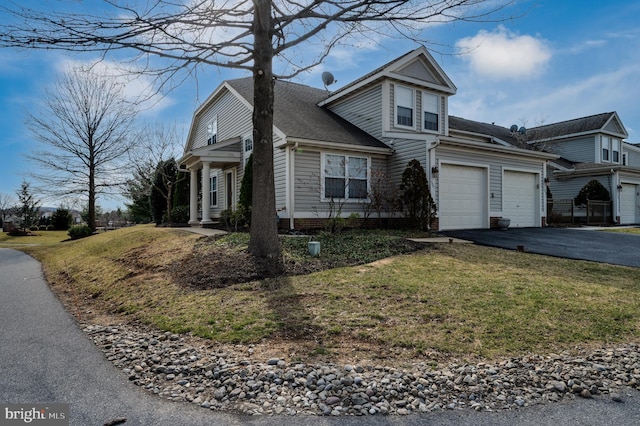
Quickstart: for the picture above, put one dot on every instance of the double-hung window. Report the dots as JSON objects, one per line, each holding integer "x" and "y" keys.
{"x": 248, "y": 148}
{"x": 345, "y": 177}
{"x": 213, "y": 191}
{"x": 615, "y": 150}
{"x": 606, "y": 142}
{"x": 212, "y": 131}
{"x": 404, "y": 106}
{"x": 430, "y": 108}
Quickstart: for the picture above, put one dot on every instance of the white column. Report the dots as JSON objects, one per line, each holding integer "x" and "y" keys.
{"x": 193, "y": 197}
{"x": 206, "y": 194}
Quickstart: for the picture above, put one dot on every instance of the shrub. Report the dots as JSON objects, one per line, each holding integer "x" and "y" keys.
{"x": 61, "y": 219}
{"x": 415, "y": 196}
{"x": 34, "y": 228}
{"x": 50, "y": 228}
{"x": 246, "y": 191}
{"x": 79, "y": 231}
{"x": 232, "y": 219}
{"x": 593, "y": 190}
{"x": 180, "y": 214}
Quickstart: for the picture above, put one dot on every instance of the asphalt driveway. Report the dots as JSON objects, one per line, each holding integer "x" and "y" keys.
{"x": 584, "y": 244}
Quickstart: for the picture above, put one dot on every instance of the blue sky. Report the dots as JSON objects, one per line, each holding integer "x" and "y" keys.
{"x": 560, "y": 60}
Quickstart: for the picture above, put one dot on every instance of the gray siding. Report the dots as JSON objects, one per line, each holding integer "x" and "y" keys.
{"x": 569, "y": 188}
{"x": 308, "y": 175}
{"x": 582, "y": 150}
{"x": 234, "y": 119}
{"x": 633, "y": 157}
{"x": 280, "y": 176}
{"x": 496, "y": 163}
{"x": 405, "y": 151}
{"x": 363, "y": 110}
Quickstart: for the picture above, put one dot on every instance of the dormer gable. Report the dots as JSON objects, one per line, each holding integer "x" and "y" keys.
{"x": 615, "y": 127}
{"x": 417, "y": 68}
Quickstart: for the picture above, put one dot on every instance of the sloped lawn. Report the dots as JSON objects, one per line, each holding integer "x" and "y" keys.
{"x": 369, "y": 295}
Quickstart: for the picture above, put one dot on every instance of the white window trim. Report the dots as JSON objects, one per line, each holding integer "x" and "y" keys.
{"x": 602, "y": 148}
{"x": 213, "y": 201}
{"x": 210, "y": 125}
{"x": 246, "y": 153}
{"x": 615, "y": 147}
{"x": 437, "y": 112}
{"x": 395, "y": 108}
{"x": 347, "y": 199}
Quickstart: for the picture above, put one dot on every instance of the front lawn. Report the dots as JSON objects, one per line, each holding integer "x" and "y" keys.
{"x": 442, "y": 300}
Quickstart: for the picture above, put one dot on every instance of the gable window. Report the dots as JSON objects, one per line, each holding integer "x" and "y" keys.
{"x": 430, "y": 109}
{"x": 605, "y": 148}
{"x": 345, "y": 177}
{"x": 248, "y": 148}
{"x": 615, "y": 150}
{"x": 213, "y": 188}
{"x": 212, "y": 131}
{"x": 404, "y": 106}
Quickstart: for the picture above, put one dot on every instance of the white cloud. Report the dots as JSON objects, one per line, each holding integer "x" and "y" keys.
{"x": 548, "y": 102}
{"x": 502, "y": 54}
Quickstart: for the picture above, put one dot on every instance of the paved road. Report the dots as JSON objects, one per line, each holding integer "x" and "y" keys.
{"x": 599, "y": 246}
{"x": 45, "y": 358}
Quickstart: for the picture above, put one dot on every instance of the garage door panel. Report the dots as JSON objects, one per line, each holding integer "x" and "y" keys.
{"x": 629, "y": 204}
{"x": 462, "y": 199}
{"x": 520, "y": 199}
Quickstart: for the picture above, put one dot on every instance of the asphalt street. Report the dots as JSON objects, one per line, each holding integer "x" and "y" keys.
{"x": 46, "y": 358}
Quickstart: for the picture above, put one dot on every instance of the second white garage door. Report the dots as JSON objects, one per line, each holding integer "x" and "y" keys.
{"x": 629, "y": 204}
{"x": 462, "y": 197}
{"x": 519, "y": 201}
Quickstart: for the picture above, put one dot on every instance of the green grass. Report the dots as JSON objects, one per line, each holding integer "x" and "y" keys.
{"x": 462, "y": 300}
{"x": 41, "y": 238}
{"x": 624, "y": 230}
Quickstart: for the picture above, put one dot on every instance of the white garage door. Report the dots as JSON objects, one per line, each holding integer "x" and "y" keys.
{"x": 519, "y": 202}
{"x": 629, "y": 204}
{"x": 462, "y": 197}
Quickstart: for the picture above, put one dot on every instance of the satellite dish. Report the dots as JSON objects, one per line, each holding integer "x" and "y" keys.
{"x": 522, "y": 130}
{"x": 327, "y": 79}
{"x": 513, "y": 128}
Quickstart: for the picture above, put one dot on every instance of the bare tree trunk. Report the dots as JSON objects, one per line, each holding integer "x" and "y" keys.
{"x": 91, "y": 202}
{"x": 264, "y": 242}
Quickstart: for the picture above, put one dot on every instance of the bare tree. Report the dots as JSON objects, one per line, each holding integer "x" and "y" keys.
{"x": 241, "y": 34}
{"x": 6, "y": 203}
{"x": 154, "y": 165}
{"x": 85, "y": 132}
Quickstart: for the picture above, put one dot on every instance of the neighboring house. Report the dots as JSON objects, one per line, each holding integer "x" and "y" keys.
{"x": 593, "y": 148}
{"x": 332, "y": 149}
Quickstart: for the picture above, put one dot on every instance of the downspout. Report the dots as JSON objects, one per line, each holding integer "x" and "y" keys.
{"x": 292, "y": 188}
{"x": 431, "y": 163}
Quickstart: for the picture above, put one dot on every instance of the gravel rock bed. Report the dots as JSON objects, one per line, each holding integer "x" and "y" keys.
{"x": 230, "y": 378}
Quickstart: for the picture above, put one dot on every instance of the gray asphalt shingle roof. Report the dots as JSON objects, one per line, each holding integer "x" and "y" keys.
{"x": 499, "y": 132}
{"x": 297, "y": 114}
{"x": 570, "y": 127}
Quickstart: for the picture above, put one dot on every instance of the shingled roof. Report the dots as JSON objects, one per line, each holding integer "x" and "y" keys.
{"x": 588, "y": 124}
{"x": 476, "y": 127}
{"x": 297, "y": 115}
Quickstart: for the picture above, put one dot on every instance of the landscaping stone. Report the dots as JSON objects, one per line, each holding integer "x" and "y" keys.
{"x": 183, "y": 368}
